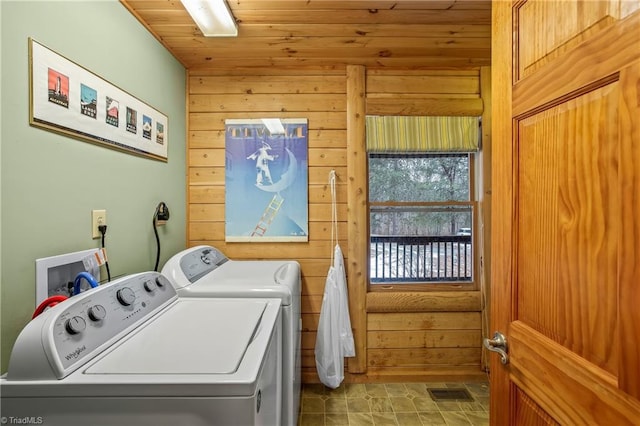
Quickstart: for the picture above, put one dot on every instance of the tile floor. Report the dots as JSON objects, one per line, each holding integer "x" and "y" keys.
{"x": 398, "y": 404}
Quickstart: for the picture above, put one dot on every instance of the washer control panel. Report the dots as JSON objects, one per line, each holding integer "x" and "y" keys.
{"x": 75, "y": 331}
{"x": 199, "y": 263}
{"x": 105, "y": 312}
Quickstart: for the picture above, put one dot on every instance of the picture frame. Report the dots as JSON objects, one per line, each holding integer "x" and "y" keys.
{"x": 68, "y": 99}
{"x": 266, "y": 180}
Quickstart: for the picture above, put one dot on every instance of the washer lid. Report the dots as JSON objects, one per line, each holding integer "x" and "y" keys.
{"x": 194, "y": 336}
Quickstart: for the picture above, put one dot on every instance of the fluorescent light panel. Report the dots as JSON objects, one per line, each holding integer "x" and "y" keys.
{"x": 274, "y": 126}
{"x": 213, "y": 17}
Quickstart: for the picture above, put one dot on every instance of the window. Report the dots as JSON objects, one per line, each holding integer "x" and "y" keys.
{"x": 421, "y": 218}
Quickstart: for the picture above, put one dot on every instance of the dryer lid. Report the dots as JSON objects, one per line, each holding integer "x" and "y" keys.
{"x": 247, "y": 278}
{"x": 195, "y": 336}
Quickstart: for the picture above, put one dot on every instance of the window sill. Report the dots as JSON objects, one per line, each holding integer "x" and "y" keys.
{"x": 423, "y": 287}
{"x": 434, "y": 301}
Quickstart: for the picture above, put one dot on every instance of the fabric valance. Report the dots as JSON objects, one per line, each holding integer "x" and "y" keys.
{"x": 422, "y": 134}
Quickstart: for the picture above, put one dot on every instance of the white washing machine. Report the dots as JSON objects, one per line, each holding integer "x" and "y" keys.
{"x": 204, "y": 271}
{"x": 131, "y": 352}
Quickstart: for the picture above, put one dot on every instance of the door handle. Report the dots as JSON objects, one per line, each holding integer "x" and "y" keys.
{"x": 498, "y": 344}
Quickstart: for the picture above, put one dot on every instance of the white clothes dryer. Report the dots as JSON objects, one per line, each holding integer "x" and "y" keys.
{"x": 131, "y": 352}
{"x": 204, "y": 271}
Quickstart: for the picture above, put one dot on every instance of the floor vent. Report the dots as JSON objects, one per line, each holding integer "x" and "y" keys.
{"x": 450, "y": 394}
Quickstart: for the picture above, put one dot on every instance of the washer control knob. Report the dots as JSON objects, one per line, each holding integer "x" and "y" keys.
{"x": 162, "y": 281}
{"x": 75, "y": 325}
{"x": 150, "y": 286}
{"x": 126, "y": 296}
{"x": 97, "y": 312}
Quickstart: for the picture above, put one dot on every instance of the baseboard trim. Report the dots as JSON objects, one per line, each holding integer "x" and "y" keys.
{"x": 397, "y": 375}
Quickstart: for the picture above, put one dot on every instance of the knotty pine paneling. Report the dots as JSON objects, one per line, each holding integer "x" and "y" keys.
{"x": 431, "y": 301}
{"x": 266, "y": 84}
{"x": 327, "y": 34}
{"x": 423, "y": 340}
{"x": 423, "y": 357}
{"x": 251, "y": 102}
{"x": 424, "y": 321}
{"x": 441, "y": 344}
{"x": 215, "y": 120}
{"x": 463, "y": 84}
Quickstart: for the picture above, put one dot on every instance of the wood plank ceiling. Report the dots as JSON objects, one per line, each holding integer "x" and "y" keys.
{"x": 328, "y": 33}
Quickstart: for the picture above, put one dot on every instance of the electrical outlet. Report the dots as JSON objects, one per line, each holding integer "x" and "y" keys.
{"x": 98, "y": 217}
{"x": 162, "y": 214}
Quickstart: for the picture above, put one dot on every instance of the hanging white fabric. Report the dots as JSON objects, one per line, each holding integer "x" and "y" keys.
{"x": 335, "y": 338}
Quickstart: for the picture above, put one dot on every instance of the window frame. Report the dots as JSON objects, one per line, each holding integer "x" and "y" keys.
{"x": 430, "y": 286}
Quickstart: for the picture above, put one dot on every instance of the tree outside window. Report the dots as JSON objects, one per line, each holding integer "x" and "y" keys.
{"x": 421, "y": 216}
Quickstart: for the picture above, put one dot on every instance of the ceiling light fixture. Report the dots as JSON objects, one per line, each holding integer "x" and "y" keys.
{"x": 213, "y": 17}
{"x": 274, "y": 126}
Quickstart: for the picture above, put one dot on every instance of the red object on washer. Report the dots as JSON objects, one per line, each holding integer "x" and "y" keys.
{"x": 48, "y": 303}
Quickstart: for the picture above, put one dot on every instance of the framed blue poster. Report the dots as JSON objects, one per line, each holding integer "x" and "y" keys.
{"x": 266, "y": 180}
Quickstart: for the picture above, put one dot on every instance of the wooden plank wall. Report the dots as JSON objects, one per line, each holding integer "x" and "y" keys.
{"x": 398, "y": 342}
{"x": 318, "y": 96}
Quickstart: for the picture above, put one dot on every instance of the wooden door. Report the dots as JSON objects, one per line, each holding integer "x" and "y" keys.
{"x": 566, "y": 228}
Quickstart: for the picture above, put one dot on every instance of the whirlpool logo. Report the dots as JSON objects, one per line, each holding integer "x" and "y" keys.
{"x": 75, "y": 354}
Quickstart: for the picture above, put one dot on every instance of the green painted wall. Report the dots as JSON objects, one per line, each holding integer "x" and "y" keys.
{"x": 50, "y": 183}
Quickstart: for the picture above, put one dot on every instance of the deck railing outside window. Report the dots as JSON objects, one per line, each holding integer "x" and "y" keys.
{"x": 401, "y": 259}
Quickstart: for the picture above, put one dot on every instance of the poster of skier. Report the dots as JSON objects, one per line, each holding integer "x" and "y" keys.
{"x": 266, "y": 177}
